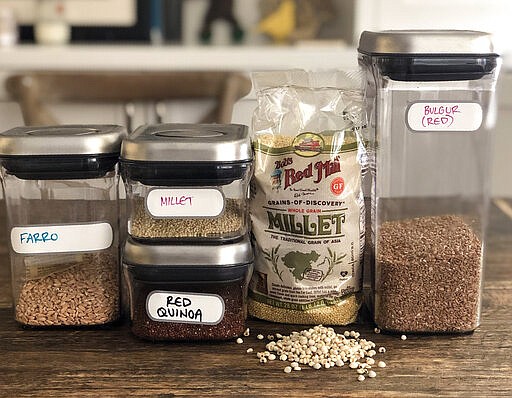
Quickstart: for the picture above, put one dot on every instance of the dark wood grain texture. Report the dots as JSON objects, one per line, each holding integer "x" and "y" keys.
{"x": 112, "y": 363}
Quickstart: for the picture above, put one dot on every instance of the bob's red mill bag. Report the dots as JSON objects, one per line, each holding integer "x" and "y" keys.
{"x": 307, "y": 206}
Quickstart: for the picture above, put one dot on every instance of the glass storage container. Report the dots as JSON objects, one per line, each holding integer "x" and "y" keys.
{"x": 430, "y": 98}
{"x": 187, "y": 182}
{"x": 188, "y": 292}
{"x": 60, "y": 187}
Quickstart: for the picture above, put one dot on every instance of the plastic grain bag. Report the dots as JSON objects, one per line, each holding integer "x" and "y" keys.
{"x": 307, "y": 206}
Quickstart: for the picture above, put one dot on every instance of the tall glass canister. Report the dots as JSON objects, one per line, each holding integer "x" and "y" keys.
{"x": 431, "y": 106}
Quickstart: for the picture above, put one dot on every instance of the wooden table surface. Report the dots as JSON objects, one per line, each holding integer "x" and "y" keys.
{"x": 112, "y": 362}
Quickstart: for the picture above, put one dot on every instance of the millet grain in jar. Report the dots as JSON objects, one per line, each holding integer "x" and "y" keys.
{"x": 187, "y": 182}
{"x": 230, "y": 222}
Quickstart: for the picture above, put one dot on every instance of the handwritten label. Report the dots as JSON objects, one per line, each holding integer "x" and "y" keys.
{"x": 185, "y": 202}
{"x": 179, "y": 307}
{"x": 62, "y": 238}
{"x": 444, "y": 116}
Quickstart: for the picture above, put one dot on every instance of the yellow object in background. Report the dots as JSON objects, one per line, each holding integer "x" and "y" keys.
{"x": 281, "y": 23}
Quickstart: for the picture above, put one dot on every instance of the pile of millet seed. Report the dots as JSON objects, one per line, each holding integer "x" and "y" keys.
{"x": 321, "y": 347}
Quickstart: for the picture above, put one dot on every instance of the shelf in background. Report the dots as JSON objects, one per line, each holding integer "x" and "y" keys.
{"x": 147, "y": 57}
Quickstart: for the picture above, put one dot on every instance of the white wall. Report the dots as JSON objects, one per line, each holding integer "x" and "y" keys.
{"x": 502, "y": 157}
{"x": 493, "y": 16}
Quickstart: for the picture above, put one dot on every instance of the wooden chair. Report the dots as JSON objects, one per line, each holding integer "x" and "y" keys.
{"x": 35, "y": 90}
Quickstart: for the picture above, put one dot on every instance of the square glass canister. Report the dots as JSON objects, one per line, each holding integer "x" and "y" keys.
{"x": 188, "y": 291}
{"x": 61, "y": 190}
{"x": 430, "y": 97}
{"x": 187, "y": 182}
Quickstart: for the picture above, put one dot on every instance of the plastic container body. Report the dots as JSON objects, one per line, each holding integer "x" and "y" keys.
{"x": 79, "y": 283}
{"x": 430, "y": 123}
{"x": 187, "y": 182}
{"x": 63, "y": 219}
{"x": 187, "y": 292}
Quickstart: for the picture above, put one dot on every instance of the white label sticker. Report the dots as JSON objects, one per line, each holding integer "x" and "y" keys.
{"x": 61, "y": 238}
{"x": 444, "y": 116}
{"x": 185, "y": 202}
{"x": 178, "y": 307}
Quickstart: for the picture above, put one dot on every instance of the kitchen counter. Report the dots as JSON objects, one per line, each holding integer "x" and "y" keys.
{"x": 110, "y": 362}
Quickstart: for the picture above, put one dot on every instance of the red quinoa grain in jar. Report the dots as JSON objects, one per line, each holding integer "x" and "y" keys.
{"x": 189, "y": 291}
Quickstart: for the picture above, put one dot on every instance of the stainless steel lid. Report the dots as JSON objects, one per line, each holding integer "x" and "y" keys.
{"x": 187, "y": 143}
{"x": 228, "y": 254}
{"x": 75, "y": 139}
{"x": 426, "y": 42}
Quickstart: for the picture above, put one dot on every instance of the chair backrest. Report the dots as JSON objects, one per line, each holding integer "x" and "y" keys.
{"x": 35, "y": 90}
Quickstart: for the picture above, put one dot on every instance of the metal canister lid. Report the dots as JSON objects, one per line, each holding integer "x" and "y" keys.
{"x": 75, "y": 139}
{"x": 228, "y": 254}
{"x": 415, "y": 42}
{"x": 188, "y": 142}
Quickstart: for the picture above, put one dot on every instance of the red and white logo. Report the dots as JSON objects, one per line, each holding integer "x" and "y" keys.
{"x": 337, "y": 185}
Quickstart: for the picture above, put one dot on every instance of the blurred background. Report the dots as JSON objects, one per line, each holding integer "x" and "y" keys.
{"x": 132, "y": 61}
